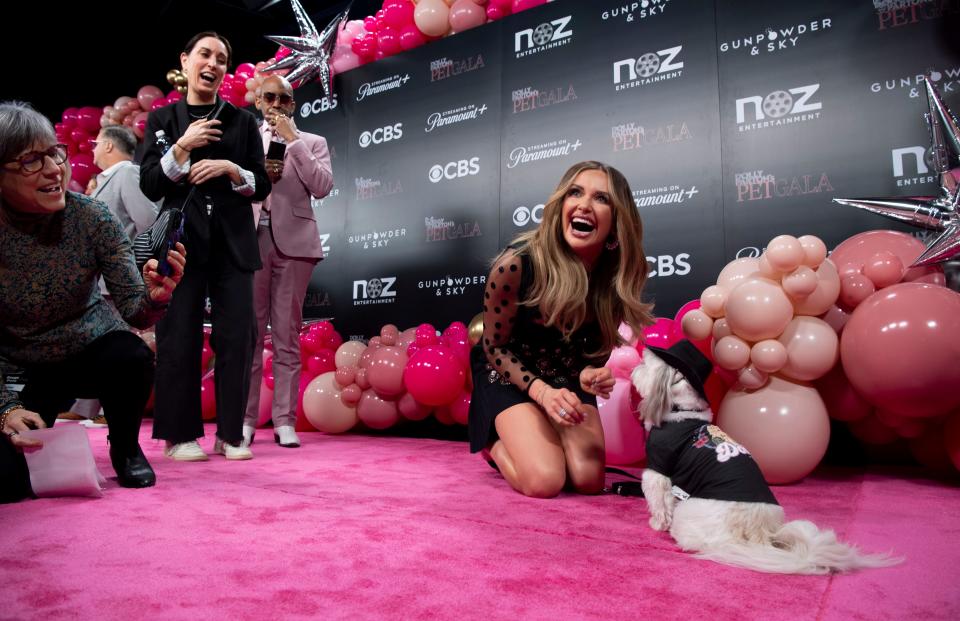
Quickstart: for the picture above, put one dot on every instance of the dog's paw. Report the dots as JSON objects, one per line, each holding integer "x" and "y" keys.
{"x": 660, "y": 521}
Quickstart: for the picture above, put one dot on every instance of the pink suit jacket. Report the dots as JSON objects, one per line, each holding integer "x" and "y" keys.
{"x": 306, "y": 173}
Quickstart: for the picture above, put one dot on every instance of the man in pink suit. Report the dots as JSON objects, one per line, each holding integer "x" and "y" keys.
{"x": 298, "y": 164}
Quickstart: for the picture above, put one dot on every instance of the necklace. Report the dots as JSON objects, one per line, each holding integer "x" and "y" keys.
{"x": 201, "y": 116}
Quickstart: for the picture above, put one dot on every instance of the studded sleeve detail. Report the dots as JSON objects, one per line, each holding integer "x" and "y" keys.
{"x": 500, "y": 308}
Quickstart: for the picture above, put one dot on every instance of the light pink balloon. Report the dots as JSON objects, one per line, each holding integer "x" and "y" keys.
{"x": 432, "y": 17}
{"x": 854, "y": 289}
{"x": 825, "y": 295}
{"x": 623, "y": 360}
{"x": 784, "y": 253}
{"x": 348, "y": 354}
{"x": 758, "y": 309}
{"x": 713, "y": 300}
{"x": 812, "y": 348}
{"x": 901, "y": 346}
{"x": 737, "y": 271}
{"x": 466, "y": 14}
{"x": 731, "y": 352}
{"x": 836, "y": 317}
{"x": 361, "y": 379}
{"x": 721, "y": 329}
{"x": 389, "y": 334}
{"x": 323, "y": 407}
{"x": 766, "y": 270}
{"x": 350, "y": 395}
{"x": 407, "y": 337}
{"x": 146, "y": 95}
{"x": 800, "y": 283}
{"x": 784, "y": 425}
{"x": 751, "y": 378}
{"x": 884, "y": 268}
{"x": 376, "y": 412}
{"x": 626, "y": 333}
{"x": 385, "y": 370}
{"x": 768, "y": 356}
{"x": 346, "y": 375}
{"x": 814, "y": 250}
{"x": 697, "y": 325}
{"x": 842, "y": 401}
{"x": 411, "y": 409}
{"x": 623, "y": 435}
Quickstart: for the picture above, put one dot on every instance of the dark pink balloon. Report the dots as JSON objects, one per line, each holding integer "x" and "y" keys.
{"x": 411, "y": 37}
{"x": 434, "y": 376}
{"x": 389, "y": 41}
{"x": 398, "y": 13}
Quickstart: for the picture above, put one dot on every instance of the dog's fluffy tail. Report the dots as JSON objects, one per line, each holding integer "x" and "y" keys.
{"x": 797, "y": 547}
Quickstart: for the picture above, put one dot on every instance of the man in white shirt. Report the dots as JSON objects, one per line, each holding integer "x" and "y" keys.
{"x": 119, "y": 184}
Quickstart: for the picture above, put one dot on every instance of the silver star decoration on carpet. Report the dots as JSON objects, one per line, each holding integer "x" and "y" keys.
{"x": 936, "y": 213}
{"x": 311, "y": 51}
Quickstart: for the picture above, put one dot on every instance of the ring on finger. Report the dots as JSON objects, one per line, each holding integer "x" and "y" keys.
{"x": 562, "y": 413}
{"x": 13, "y": 433}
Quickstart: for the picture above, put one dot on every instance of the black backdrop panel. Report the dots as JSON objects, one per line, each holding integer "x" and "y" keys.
{"x": 734, "y": 121}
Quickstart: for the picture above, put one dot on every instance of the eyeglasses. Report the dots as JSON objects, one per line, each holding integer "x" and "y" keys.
{"x": 285, "y": 100}
{"x": 33, "y": 162}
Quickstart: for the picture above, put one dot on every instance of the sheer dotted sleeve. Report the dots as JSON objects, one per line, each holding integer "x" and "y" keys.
{"x": 500, "y": 308}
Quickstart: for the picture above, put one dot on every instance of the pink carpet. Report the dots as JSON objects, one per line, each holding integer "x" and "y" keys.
{"x": 357, "y": 527}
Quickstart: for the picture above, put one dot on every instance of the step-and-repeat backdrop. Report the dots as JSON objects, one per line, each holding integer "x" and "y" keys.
{"x": 734, "y": 121}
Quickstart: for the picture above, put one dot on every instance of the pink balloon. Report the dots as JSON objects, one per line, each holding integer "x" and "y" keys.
{"x": 800, "y": 283}
{"x": 208, "y": 397}
{"x": 660, "y": 334}
{"x": 174, "y": 96}
{"x": 863, "y": 247}
{"x": 622, "y": 361}
{"x": 697, "y": 325}
{"x": 871, "y": 431}
{"x": 310, "y": 343}
{"x": 303, "y": 423}
{"x": 497, "y": 11}
{"x": 758, "y": 309}
{"x": 206, "y": 355}
{"x": 432, "y": 17}
{"x": 466, "y": 14}
{"x": 147, "y": 95}
{"x": 901, "y": 346}
{"x": 623, "y": 434}
{"x": 952, "y": 435}
{"x": 71, "y": 115}
{"x": 321, "y": 362}
{"x": 751, "y": 378}
{"x": 784, "y": 253}
{"x": 434, "y": 376}
{"x": 812, "y": 348}
{"x": 814, "y": 250}
{"x": 836, "y": 317}
{"x": 159, "y": 102}
{"x": 842, "y": 401}
{"x": 784, "y": 425}
{"x": 345, "y": 375}
{"x": 82, "y": 167}
{"x": 388, "y": 40}
{"x": 824, "y": 296}
{"x": 265, "y": 405}
{"x": 412, "y": 410}
{"x": 370, "y": 23}
{"x": 523, "y": 5}
{"x": 411, "y": 37}
{"x": 426, "y": 335}
{"x": 854, "y": 289}
{"x": 884, "y": 268}
{"x": 376, "y": 412}
{"x": 268, "y": 380}
{"x": 713, "y": 300}
{"x": 737, "y": 271}
{"x": 348, "y": 354}
{"x": 731, "y": 353}
{"x": 460, "y": 408}
{"x": 768, "y": 356}
{"x": 389, "y": 334}
{"x": 361, "y": 379}
{"x": 247, "y": 69}
{"x": 398, "y": 13}
{"x": 406, "y": 337}
{"x": 721, "y": 329}
{"x": 345, "y": 61}
{"x": 350, "y": 395}
{"x": 323, "y": 407}
{"x": 385, "y": 370}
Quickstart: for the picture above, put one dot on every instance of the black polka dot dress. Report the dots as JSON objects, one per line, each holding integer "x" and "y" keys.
{"x": 516, "y": 348}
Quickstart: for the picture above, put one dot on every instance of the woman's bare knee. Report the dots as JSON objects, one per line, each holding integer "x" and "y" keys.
{"x": 586, "y": 477}
{"x": 541, "y": 482}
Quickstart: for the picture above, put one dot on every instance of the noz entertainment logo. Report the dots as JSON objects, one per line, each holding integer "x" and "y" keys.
{"x": 649, "y": 68}
{"x": 912, "y": 165}
{"x": 318, "y": 106}
{"x": 915, "y": 82}
{"x": 794, "y": 105}
{"x": 381, "y": 135}
{"x": 757, "y": 186}
{"x": 454, "y": 170}
{"x": 376, "y": 239}
{"x": 666, "y": 195}
{"x": 375, "y": 291}
{"x": 441, "y": 229}
{"x": 325, "y": 244}
{"x": 451, "y": 285}
{"x": 451, "y": 117}
{"x": 775, "y": 39}
{"x": 545, "y": 151}
{"x": 634, "y": 10}
{"x": 444, "y": 68}
{"x": 545, "y": 36}
{"x": 368, "y": 89}
{"x": 523, "y": 215}
{"x": 669, "y": 265}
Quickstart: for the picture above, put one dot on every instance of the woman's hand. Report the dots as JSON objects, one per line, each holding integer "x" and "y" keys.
{"x": 160, "y": 288}
{"x": 22, "y": 420}
{"x": 205, "y": 170}
{"x": 200, "y": 134}
{"x": 561, "y": 405}
{"x": 597, "y": 381}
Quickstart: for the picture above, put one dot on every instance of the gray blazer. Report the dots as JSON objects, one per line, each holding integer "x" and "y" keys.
{"x": 119, "y": 188}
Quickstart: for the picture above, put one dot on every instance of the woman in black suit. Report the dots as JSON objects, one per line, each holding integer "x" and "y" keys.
{"x": 206, "y": 155}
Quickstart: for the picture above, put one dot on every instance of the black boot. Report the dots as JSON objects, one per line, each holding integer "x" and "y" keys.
{"x": 133, "y": 470}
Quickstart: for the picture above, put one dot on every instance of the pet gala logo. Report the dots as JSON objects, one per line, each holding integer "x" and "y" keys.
{"x": 441, "y": 229}
{"x": 545, "y": 36}
{"x": 545, "y": 151}
{"x": 530, "y": 98}
{"x": 375, "y": 188}
{"x": 452, "y": 285}
{"x": 945, "y": 80}
{"x": 379, "y": 290}
{"x": 469, "y": 112}
{"x": 758, "y": 186}
{"x": 898, "y": 13}
{"x": 913, "y": 165}
{"x": 636, "y": 10}
{"x": 630, "y": 136}
{"x": 665, "y": 195}
{"x": 376, "y": 239}
{"x": 778, "y": 108}
{"x": 776, "y": 39}
{"x": 368, "y": 89}
{"x": 317, "y": 299}
{"x": 444, "y": 68}
{"x": 649, "y": 68}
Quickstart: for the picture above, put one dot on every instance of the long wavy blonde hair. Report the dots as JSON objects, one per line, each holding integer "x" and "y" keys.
{"x": 566, "y": 295}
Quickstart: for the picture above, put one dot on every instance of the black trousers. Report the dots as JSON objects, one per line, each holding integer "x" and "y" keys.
{"x": 117, "y": 369}
{"x": 176, "y": 413}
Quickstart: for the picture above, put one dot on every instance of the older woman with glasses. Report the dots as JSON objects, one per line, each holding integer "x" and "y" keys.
{"x": 54, "y": 247}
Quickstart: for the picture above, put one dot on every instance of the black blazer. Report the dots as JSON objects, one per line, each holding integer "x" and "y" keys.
{"x": 232, "y": 213}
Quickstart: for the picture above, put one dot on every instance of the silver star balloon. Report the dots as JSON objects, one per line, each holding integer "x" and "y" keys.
{"x": 311, "y": 51}
{"x": 936, "y": 213}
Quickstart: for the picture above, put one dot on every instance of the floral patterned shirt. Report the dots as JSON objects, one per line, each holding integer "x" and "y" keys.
{"x": 50, "y": 304}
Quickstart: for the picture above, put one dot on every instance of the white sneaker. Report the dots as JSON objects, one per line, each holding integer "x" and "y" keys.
{"x": 231, "y": 451}
{"x": 185, "y": 451}
{"x": 248, "y": 432}
{"x": 286, "y": 437}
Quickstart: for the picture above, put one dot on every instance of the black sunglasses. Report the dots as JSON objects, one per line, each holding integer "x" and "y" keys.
{"x": 285, "y": 100}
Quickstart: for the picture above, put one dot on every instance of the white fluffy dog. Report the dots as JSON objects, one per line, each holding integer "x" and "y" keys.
{"x": 728, "y": 513}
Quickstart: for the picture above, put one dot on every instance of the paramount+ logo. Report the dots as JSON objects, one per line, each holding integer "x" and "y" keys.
{"x": 454, "y": 170}
{"x": 381, "y": 135}
{"x": 379, "y": 290}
